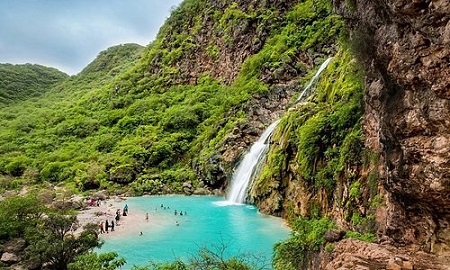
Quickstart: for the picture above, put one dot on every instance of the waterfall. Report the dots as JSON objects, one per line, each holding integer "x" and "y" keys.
{"x": 314, "y": 79}
{"x": 245, "y": 170}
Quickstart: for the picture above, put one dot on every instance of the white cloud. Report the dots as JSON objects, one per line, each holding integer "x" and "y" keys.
{"x": 69, "y": 34}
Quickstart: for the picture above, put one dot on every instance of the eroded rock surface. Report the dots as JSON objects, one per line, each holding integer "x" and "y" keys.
{"x": 405, "y": 45}
{"x": 354, "y": 254}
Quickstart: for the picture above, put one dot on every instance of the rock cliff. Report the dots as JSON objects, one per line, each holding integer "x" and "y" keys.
{"x": 400, "y": 187}
{"x": 405, "y": 48}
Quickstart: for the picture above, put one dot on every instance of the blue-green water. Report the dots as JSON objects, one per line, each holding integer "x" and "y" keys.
{"x": 239, "y": 228}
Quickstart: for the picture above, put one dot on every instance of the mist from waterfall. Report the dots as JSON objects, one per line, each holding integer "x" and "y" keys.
{"x": 251, "y": 161}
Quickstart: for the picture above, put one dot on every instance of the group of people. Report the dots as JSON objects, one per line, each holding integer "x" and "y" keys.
{"x": 108, "y": 225}
{"x": 179, "y": 213}
{"x": 175, "y": 212}
{"x": 104, "y": 226}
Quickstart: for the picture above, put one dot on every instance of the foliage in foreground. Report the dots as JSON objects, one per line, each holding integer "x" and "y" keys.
{"x": 211, "y": 259}
{"x": 307, "y": 238}
{"x": 49, "y": 234}
{"x": 94, "y": 261}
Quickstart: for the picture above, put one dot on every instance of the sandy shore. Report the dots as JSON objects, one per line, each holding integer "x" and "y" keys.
{"x": 134, "y": 223}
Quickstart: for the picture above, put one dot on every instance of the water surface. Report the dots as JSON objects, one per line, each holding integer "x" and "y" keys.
{"x": 208, "y": 223}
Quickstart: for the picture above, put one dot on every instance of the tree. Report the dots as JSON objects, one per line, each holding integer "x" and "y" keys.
{"x": 94, "y": 261}
{"x": 54, "y": 243}
{"x": 18, "y": 213}
{"x": 214, "y": 258}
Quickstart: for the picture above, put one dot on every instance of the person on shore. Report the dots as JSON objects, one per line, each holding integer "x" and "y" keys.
{"x": 102, "y": 229}
{"x": 146, "y": 217}
{"x": 125, "y": 208}
{"x": 112, "y": 225}
{"x": 106, "y": 226}
{"x": 117, "y": 219}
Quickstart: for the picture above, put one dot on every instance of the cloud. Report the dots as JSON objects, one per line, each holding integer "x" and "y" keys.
{"x": 70, "y": 34}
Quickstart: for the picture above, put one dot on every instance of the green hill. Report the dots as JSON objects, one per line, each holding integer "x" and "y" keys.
{"x": 20, "y": 82}
{"x": 156, "y": 121}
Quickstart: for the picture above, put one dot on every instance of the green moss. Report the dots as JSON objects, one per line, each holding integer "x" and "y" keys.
{"x": 355, "y": 192}
{"x": 366, "y": 237}
{"x": 329, "y": 247}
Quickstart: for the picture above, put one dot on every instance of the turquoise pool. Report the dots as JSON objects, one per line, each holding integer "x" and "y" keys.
{"x": 206, "y": 222}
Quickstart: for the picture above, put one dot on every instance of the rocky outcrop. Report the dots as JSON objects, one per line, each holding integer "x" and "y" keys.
{"x": 217, "y": 42}
{"x": 405, "y": 47}
{"x": 355, "y": 254}
{"x": 12, "y": 253}
{"x": 261, "y": 111}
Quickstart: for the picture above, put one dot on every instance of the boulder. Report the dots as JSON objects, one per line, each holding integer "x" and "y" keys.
{"x": 334, "y": 235}
{"x": 14, "y": 246}
{"x": 100, "y": 195}
{"x": 9, "y": 258}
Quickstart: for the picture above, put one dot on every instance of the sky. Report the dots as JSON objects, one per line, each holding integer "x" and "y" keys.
{"x": 69, "y": 34}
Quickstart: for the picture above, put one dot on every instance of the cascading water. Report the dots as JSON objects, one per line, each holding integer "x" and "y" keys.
{"x": 246, "y": 169}
{"x": 314, "y": 79}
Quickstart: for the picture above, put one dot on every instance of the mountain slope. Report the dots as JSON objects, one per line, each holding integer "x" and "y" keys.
{"x": 20, "y": 82}
{"x": 165, "y": 122}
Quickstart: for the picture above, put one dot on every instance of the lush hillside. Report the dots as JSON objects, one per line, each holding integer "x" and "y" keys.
{"x": 163, "y": 123}
{"x": 20, "y": 82}
{"x": 364, "y": 157}
{"x": 36, "y": 129}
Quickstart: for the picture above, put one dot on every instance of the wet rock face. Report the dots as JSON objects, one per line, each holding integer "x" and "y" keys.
{"x": 406, "y": 46}
{"x": 262, "y": 110}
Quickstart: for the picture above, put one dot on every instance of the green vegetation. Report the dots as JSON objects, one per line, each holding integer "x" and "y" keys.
{"x": 307, "y": 238}
{"x": 213, "y": 258}
{"x": 323, "y": 134}
{"x": 21, "y": 82}
{"x": 48, "y": 232}
{"x": 94, "y": 261}
{"x": 127, "y": 120}
{"x": 146, "y": 120}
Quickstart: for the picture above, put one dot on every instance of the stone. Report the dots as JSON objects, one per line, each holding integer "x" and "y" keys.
{"x": 407, "y": 265}
{"x": 9, "y": 258}
{"x": 334, "y": 235}
{"x": 101, "y": 195}
{"x": 14, "y": 246}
